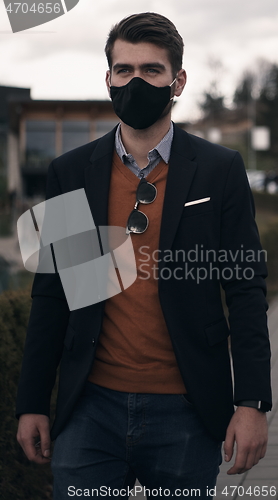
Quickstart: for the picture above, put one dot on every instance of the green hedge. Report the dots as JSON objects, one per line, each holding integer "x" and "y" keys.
{"x": 269, "y": 241}
{"x": 20, "y": 479}
{"x": 265, "y": 201}
{"x": 267, "y": 219}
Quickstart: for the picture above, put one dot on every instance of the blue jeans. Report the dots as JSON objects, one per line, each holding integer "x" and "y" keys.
{"x": 114, "y": 437}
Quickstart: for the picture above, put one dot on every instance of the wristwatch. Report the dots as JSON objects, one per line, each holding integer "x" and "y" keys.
{"x": 259, "y": 405}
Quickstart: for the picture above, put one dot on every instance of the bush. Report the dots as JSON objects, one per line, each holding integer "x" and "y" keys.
{"x": 269, "y": 241}
{"x": 265, "y": 201}
{"x": 21, "y": 479}
{"x": 267, "y": 220}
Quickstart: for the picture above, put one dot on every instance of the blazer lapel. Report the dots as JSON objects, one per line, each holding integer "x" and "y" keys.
{"x": 97, "y": 178}
{"x": 181, "y": 172}
{"x": 180, "y": 175}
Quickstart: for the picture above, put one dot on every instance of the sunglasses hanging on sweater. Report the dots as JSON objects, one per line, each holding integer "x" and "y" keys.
{"x": 138, "y": 221}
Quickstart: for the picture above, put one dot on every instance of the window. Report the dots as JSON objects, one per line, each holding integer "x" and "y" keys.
{"x": 75, "y": 133}
{"x": 40, "y": 143}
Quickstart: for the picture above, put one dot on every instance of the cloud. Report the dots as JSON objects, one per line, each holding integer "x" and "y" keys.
{"x": 235, "y": 31}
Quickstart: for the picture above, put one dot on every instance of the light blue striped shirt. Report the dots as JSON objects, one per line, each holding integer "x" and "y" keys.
{"x": 161, "y": 151}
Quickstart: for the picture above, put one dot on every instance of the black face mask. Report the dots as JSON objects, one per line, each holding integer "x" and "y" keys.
{"x": 139, "y": 104}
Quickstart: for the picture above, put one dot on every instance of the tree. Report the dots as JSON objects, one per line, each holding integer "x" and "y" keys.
{"x": 243, "y": 93}
{"x": 213, "y": 100}
{"x": 212, "y": 106}
{"x": 256, "y": 98}
{"x": 268, "y": 106}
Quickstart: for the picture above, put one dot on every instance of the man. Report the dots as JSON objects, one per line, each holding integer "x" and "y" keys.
{"x": 145, "y": 387}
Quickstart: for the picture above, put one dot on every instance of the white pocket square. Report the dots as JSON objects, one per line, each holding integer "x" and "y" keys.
{"x": 202, "y": 200}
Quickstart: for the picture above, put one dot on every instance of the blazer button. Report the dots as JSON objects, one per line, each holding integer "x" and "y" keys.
{"x": 93, "y": 341}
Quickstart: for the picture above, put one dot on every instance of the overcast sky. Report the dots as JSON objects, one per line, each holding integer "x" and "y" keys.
{"x": 64, "y": 58}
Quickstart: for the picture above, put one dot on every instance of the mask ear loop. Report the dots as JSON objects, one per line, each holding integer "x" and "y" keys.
{"x": 175, "y": 79}
{"x": 109, "y": 82}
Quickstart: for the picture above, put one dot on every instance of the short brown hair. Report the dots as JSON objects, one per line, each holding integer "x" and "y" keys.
{"x": 148, "y": 27}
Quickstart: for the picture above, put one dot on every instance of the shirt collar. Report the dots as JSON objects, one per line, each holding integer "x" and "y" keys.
{"x": 163, "y": 148}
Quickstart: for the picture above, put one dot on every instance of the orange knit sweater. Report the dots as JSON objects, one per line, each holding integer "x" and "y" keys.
{"x": 134, "y": 352}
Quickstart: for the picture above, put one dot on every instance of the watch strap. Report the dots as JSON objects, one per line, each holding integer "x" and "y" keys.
{"x": 259, "y": 405}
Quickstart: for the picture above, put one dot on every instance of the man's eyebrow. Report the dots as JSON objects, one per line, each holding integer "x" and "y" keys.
{"x": 153, "y": 65}
{"x": 142, "y": 66}
{"x": 122, "y": 65}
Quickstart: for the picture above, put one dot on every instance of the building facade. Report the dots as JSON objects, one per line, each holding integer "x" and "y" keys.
{"x": 40, "y": 130}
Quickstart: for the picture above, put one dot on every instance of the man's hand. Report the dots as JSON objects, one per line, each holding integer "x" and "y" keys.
{"x": 34, "y": 437}
{"x": 248, "y": 428}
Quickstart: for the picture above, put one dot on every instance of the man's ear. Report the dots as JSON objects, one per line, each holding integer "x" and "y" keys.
{"x": 108, "y": 80}
{"x": 180, "y": 82}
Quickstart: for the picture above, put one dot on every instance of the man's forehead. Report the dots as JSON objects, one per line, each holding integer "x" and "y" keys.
{"x": 141, "y": 52}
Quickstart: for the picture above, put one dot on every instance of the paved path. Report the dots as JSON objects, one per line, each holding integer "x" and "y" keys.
{"x": 265, "y": 473}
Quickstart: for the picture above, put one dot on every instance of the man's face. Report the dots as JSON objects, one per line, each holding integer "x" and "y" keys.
{"x": 144, "y": 60}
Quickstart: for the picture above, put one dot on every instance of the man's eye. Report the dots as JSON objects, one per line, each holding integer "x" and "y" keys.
{"x": 123, "y": 70}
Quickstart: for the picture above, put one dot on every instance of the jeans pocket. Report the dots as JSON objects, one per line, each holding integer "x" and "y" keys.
{"x": 187, "y": 401}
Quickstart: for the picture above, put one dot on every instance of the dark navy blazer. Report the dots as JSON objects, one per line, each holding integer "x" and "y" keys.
{"x": 193, "y": 310}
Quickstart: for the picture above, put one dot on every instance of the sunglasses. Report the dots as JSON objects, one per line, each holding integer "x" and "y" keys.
{"x": 138, "y": 221}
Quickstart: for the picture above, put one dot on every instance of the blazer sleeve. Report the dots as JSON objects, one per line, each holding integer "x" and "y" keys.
{"x": 245, "y": 288}
{"x": 45, "y": 333}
